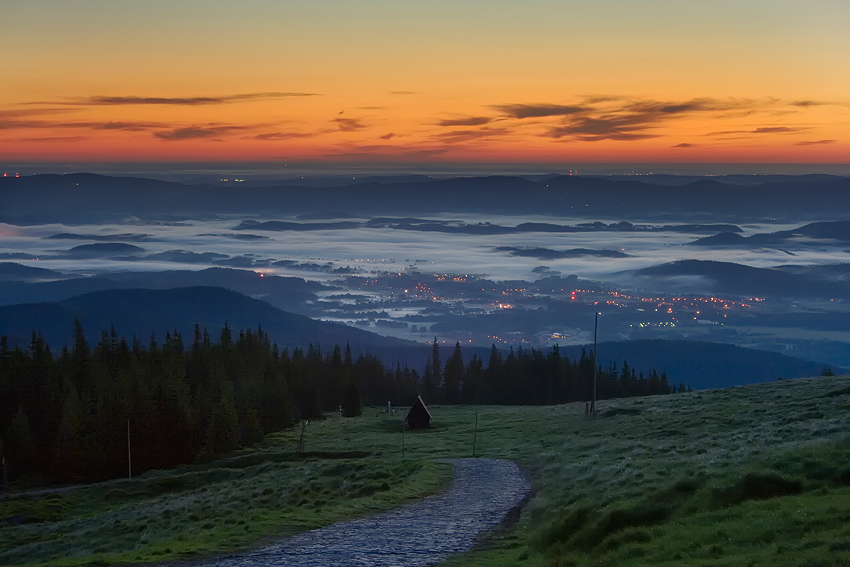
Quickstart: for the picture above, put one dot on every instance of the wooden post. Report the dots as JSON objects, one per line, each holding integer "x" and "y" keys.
{"x": 301, "y": 440}
{"x": 595, "y": 364}
{"x": 475, "y": 434}
{"x": 402, "y": 438}
{"x": 5, "y": 476}
{"x": 129, "y": 458}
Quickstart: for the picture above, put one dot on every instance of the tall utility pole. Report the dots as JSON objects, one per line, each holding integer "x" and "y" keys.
{"x": 595, "y": 364}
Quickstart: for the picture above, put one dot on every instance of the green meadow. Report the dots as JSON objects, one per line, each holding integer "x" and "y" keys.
{"x": 755, "y": 475}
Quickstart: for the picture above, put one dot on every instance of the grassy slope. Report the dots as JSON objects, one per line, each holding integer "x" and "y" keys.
{"x": 227, "y": 505}
{"x": 756, "y": 475}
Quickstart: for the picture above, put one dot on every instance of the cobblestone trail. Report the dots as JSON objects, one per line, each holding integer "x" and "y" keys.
{"x": 421, "y": 533}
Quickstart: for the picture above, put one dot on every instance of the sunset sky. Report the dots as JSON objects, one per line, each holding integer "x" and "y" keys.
{"x": 760, "y": 81}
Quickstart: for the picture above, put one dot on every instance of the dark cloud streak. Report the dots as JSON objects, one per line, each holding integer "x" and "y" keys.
{"x": 760, "y": 130}
{"x": 197, "y": 132}
{"x": 275, "y": 136}
{"x": 627, "y": 127}
{"x": 539, "y": 110}
{"x": 349, "y": 124}
{"x": 464, "y": 135}
{"x": 176, "y": 101}
{"x": 468, "y": 121}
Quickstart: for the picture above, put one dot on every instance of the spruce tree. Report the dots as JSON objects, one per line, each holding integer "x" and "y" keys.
{"x": 453, "y": 376}
{"x": 351, "y": 404}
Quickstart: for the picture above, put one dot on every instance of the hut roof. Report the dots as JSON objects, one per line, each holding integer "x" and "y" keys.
{"x": 419, "y": 402}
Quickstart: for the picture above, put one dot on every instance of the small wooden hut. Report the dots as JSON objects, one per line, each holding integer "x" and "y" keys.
{"x": 418, "y": 417}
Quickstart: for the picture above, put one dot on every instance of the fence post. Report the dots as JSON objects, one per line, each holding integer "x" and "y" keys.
{"x": 129, "y": 457}
{"x": 301, "y": 440}
{"x": 475, "y": 434}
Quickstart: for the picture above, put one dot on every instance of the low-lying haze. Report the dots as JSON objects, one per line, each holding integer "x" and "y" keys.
{"x": 197, "y": 243}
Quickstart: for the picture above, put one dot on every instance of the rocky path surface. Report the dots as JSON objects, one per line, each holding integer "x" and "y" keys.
{"x": 417, "y": 534}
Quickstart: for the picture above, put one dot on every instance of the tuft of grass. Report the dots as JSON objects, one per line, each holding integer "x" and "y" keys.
{"x": 32, "y": 509}
{"x": 757, "y": 486}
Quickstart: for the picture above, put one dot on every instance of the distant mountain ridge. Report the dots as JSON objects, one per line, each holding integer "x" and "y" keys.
{"x": 12, "y": 271}
{"x": 704, "y": 365}
{"x": 83, "y": 197}
{"x": 747, "y": 281}
{"x": 824, "y": 232}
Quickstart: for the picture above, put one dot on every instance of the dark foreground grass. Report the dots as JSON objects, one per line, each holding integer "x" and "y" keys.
{"x": 756, "y": 475}
{"x": 228, "y": 505}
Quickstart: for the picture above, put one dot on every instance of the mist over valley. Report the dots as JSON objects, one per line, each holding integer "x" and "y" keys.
{"x": 481, "y": 261}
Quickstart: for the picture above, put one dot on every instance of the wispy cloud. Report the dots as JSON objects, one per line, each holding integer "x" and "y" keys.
{"x": 349, "y": 124}
{"x": 693, "y": 106}
{"x": 538, "y": 110}
{"x": 465, "y": 121}
{"x": 621, "y": 128}
{"x": 135, "y": 126}
{"x": 815, "y": 142}
{"x": 101, "y": 100}
{"x": 596, "y": 98}
{"x": 53, "y": 139}
{"x": 388, "y": 136}
{"x": 454, "y": 136}
{"x": 777, "y": 130}
{"x": 129, "y": 126}
{"x": 29, "y": 112}
{"x": 608, "y": 117}
{"x": 685, "y": 145}
{"x": 760, "y": 130}
{"x": 402, "y": 93}
{"x": 18, "y": 124}
{"x": 275, "y": 136}
{"x": 198, "y": 132}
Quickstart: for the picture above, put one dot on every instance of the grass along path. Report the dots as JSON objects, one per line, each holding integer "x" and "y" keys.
{"x": 232, "y": 504}
{"x": 756, "y": 475}
{"x": 417, "y": 534}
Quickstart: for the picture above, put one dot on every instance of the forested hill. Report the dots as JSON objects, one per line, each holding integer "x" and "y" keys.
{"x": 67, "y": 416}
{"x": 87, "y": 197}
{"x": 704, "y": 365}
{"x": 23, "y": 284}
{"x": 142, "y": 312}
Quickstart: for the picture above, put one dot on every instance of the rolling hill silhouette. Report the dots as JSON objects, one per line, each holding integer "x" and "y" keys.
{"x": 747, "y": 281}
{"x": 141, "y": 312}
{"x": 824, "y": 233}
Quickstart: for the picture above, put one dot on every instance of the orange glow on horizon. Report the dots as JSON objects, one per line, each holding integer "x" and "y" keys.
{"x": 438, "y": 82}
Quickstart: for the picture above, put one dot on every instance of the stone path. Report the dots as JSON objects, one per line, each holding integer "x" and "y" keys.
{"x": 418, "y": 534}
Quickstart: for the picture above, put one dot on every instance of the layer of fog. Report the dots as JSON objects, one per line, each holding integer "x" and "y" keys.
{"x": 313, "y": 254}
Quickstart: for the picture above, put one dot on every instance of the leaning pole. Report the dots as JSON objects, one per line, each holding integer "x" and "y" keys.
{"x": 595, "y": 365}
